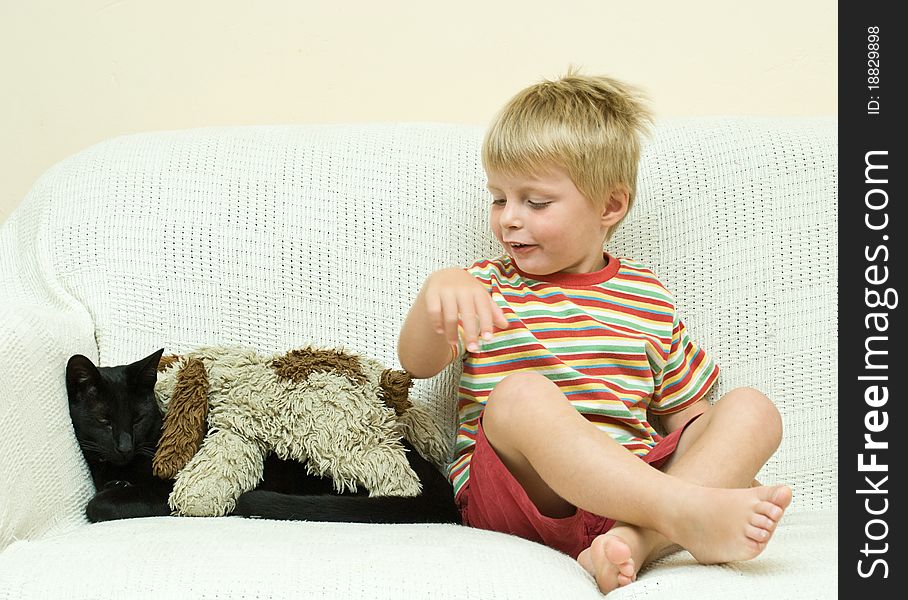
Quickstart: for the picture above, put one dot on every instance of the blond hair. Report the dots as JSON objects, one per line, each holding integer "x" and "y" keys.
{"x": 591, "y": 126}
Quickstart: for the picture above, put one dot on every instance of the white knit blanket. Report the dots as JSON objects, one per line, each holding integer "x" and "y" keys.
{"x": 276, "y": 237}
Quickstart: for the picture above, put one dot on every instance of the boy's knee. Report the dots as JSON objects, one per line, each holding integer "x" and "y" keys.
{"x": 509, "y": 397}
{"x": 760, "y": 411}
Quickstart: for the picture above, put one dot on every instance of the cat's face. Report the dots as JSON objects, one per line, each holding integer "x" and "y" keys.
{"x": 113, "y": 409}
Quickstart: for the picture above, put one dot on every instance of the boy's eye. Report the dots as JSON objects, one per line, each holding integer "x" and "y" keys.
{"x": 538, "y": 205}
{"x": 498, "y": 201}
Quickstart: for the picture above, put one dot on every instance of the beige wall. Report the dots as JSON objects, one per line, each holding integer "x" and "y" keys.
{"x": 76, "y": 72}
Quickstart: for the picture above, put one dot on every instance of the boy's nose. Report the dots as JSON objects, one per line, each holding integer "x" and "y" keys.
{"x": 510, "y": 219}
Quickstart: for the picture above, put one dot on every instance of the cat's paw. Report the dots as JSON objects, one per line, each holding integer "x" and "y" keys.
{"x": 102, "y": 507}
{"x": 126, "y": 502}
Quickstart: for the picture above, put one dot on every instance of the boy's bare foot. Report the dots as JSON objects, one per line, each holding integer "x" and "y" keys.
{"x": 614, "y": 558}
{"x": 737, "y": 525}
{"x": 730, "y": 524}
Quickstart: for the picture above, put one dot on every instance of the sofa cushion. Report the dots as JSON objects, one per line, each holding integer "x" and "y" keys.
{"x": 174, "y": 558}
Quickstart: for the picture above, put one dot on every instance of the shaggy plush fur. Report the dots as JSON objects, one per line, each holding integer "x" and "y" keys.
{"x": 184, "y": 423}
{"x": 340, "y": 414}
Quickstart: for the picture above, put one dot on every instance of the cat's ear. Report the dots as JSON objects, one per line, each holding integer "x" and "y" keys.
{"x": 81, "y": 374}
{"x": 146, "y": 370}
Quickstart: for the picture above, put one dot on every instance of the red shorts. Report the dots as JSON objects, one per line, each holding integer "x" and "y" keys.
{"x": 493, "y": 499}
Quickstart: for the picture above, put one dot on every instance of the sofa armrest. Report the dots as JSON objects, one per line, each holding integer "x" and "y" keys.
{"x": 44, "y": 482}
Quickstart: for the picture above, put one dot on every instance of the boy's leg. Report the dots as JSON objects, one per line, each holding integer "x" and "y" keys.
{"x": 563, "y": 461}
{"x": 745, "y": 426}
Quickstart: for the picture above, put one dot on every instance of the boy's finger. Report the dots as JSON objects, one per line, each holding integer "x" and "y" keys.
{"x": 434, "y": 310}
{"x": 467, "y": 309}
{"x": 498, "y": 315}
{"x": 449, "y": 318}
{"x": 484, "y": 315}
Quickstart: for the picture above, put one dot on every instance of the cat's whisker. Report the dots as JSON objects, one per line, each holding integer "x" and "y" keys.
{"x": 90, "y": 447}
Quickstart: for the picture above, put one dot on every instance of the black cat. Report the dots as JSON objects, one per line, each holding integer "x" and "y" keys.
{"x": 118, "y": 424}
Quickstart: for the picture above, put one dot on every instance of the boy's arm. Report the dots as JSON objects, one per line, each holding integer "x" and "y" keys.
{"x": 428, "y": 336}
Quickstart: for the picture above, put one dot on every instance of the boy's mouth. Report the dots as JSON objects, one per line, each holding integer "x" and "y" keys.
{"x": 520, "y": 248}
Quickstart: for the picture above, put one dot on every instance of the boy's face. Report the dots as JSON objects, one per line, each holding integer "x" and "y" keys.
{"x": 546, "y": 225}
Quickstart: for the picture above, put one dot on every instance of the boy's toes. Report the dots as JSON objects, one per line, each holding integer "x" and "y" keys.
{"x": 618, "y": 553}
{"x": 612, "y": 563}
{"x": 623, "y": 580}
{"x": 781, "y": 496}
{"x": 756, "y": 548}
{"x": 769, "y": 510}
{"x": 763, "y": 522}
{"x": 757, "y": 534}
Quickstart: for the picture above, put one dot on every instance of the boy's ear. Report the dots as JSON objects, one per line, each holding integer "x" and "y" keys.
{"x": 615, "y": 206}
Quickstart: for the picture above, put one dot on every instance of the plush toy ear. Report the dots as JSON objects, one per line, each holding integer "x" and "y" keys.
{"x": 394, "y": 392}
{"x": 184, "y": 424}
{"x": 166, "y": 361}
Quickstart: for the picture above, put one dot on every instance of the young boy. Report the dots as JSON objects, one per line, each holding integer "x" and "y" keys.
{"x": 579, "y": 350}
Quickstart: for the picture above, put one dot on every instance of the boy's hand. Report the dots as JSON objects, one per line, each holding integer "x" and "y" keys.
{"x": 452, "y": 296}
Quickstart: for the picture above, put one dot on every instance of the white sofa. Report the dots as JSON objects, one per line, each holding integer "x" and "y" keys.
{"x": 279, "y": 236}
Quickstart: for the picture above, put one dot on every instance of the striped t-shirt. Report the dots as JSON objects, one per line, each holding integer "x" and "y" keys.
{"x": 611, "y": 340}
